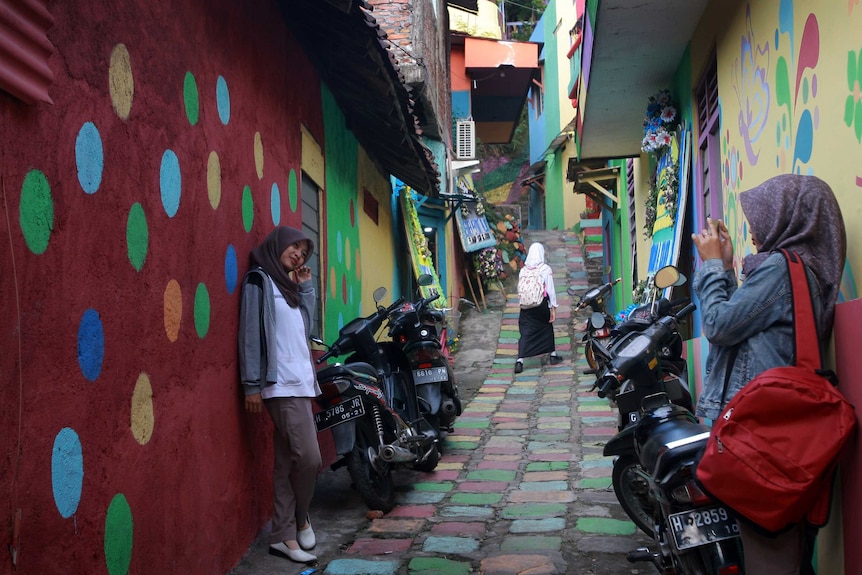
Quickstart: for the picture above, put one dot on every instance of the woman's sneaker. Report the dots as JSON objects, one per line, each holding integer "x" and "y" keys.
{"x": 519, "y": 366}
{"x": 555, "y": 359}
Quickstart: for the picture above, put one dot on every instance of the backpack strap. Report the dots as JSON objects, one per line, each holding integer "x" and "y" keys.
{"x": 807, "y": 344}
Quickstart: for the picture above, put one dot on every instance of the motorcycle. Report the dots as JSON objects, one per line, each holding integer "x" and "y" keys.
{"x": 419, "y": 328}
{"x": 600, "y": 324}
{"x": 371, "y": 406}
{"x": 656, "y": 485}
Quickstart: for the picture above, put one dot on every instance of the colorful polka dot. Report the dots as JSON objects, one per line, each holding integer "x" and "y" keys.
{"x": 142, "y": 418}
{"x": 121, "y": 83}
{"x": 89, "y": 158}
{"x": 214, "y": 180}
{"x": 258, "y": 155}
{"x": 91, "y": 345}
{"x": 170, "y": 183}
{"x": 292, "y": 191}
{"x": 119, "y": 534}
{"x": 137, "y": 236}
{"x": 275, "y": 204}
{"x": 202, "y": 310}
{"x": 231, "y": 272}
{"x": 67, "y": 471}
{"x": 247, "y": 209}
{"x": 173, "y": 309}
{"x": 223, "y": 100}
{"x": 36, "y": 211}
{"x": 191, "y": 99}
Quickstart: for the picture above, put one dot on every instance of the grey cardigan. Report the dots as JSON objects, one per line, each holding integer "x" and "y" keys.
{"x": 257, "y": 342}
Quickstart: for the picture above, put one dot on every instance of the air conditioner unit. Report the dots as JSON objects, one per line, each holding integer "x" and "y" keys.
{"x": 465, "y": 140}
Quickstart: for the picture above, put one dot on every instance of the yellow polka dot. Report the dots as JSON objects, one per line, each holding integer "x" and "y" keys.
{"x": 214, "y": 179}
{"x": 258, "y": 155}
{"x": 173, "y": 309}
{"x": 143, "y": 419}
{"x": 120, "y": 81}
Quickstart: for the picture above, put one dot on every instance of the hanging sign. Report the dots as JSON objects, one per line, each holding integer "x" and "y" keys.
{"x": 672, "y": 183}
{"x": 473, "y": 228}
{"x": 420, "y": 255}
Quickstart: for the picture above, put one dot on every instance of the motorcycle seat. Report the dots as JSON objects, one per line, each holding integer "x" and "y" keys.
{"x": 348, "y": 371}
{"x": 673, "y": 443}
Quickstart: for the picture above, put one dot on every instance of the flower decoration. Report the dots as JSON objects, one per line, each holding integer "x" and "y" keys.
{"x": 488, "y": 263}
{"x": 659, "y": 124}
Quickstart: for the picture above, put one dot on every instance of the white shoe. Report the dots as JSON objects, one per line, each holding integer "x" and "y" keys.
{"x": 306, "y": 538}
{"x": 281, "y": 550}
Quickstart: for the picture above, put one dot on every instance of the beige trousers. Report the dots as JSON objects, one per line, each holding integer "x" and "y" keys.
{"x": 297, "y": 463}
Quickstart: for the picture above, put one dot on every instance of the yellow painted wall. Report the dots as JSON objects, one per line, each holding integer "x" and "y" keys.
{"x": 766, "y": 128}
{"x": 789, "y": 87}
{"x": 374, "y": 239}
{"x": 573, "y": 204}
{"x": 642, "y": 188}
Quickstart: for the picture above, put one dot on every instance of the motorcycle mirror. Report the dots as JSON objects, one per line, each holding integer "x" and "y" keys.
{"x": 318, "y": 342}
{"x": 425, "y": 280}
{"x": 666, "y": 277}
{"x": 379, "y": 294}
{"x": 597, "y": 320}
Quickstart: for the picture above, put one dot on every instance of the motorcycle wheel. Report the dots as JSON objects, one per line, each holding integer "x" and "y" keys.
{"x": 632, "y": 490}
{"x": 430, "y": 463}
{"x": 591, "y": 357}
{"x": 374, "y": 487}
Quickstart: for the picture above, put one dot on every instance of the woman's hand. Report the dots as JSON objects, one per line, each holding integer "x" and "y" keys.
{"x": 553, "y": 315}
{"x": 253, "y": 403}
{"x": 303, "y": 273}
{"x": 714, "y": 243}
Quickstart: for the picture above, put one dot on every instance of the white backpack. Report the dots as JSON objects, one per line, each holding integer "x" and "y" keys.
{"x": 531, "y": 287}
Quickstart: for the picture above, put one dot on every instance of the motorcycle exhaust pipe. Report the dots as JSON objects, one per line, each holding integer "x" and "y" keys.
{"x": 447, "y": 408}
{"x": 396, "y": 454}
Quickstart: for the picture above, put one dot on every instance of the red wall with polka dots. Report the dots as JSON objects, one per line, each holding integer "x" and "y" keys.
{"x": 130, "y": 205}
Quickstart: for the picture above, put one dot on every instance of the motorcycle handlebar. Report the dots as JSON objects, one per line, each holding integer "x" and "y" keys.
{"x": 607, "y": 383}
{"x": 690, "y": 307}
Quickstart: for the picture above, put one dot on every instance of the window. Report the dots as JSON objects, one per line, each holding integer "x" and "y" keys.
{"x": 311, "y": 227}
{"x": 709, "y": 146}
{"x": 537, "y": 95}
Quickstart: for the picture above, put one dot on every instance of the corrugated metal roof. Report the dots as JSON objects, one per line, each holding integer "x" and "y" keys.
{"x": 351, "y": 53}
{"x": 25, "y": 50}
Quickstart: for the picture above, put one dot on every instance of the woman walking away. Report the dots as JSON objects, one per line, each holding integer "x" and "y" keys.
{"x": 277, "y": 373}
{"x": 538, "y": 308}
{"x": 750, "y": 327}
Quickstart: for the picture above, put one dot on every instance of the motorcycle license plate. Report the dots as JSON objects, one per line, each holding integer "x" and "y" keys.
{"x": 339, "y": 413}
{"x": 702, "y": 526}
{"x": 430, "y": 375}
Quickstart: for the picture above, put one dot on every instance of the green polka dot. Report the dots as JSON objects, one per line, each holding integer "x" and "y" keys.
{"x": 247, "y": 209}
{"x": 202, "y": 310}
{"x": 137, "y": 236}
{"x": 292, "y": 190}
{"x": 190, "y": 95}
{"x": 119, "y": 529}
{"x": 36, "y": 211}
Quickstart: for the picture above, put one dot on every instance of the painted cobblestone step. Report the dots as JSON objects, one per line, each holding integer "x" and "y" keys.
{"x": 522, "y": 486}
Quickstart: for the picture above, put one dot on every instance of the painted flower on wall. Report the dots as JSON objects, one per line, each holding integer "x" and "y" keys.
{"x": 659, "y": 123}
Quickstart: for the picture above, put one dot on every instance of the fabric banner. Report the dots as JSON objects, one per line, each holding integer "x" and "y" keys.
{"x": 671, "y": 173}
{"x": 420, "y": 255}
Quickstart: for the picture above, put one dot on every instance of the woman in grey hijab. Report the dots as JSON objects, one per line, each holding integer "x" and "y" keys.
{"x": 750, "y": 326}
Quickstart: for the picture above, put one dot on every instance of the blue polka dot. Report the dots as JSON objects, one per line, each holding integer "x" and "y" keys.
{"x": 223, "y": 100}
{"x": 67, "y": 471}
{"x": 89, "y": 158}
{"x": 276, "y": 204}
{"x": 340, "y": 320}
{"x": 230, "y": 269}
{"x": 91, "y": 345}
{"x": 170, "y": 181}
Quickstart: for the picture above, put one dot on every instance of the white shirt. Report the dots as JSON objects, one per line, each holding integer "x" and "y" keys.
{"x": 295, "y": 371}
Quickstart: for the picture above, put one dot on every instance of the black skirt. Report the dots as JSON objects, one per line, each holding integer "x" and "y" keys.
{"x": 537, "y": 331}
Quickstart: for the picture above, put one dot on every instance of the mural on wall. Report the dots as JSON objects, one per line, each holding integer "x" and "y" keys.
{"x": 48, "y": 216}
{"x": 417, "y": 243}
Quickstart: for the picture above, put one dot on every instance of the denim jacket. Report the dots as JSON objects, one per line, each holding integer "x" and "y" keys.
{"x": 754, "y": 320}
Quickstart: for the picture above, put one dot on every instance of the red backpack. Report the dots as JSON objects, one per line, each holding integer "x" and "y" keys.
{"x": 772, "y": 453}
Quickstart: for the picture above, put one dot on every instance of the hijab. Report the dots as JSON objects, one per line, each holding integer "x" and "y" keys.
{"x": 268, "y": 256}
{"x": 801, "y": 214}
{"x": 535, "y": 256}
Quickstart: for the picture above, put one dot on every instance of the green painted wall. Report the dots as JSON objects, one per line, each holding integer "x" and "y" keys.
{"x": 343, "y": 289}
